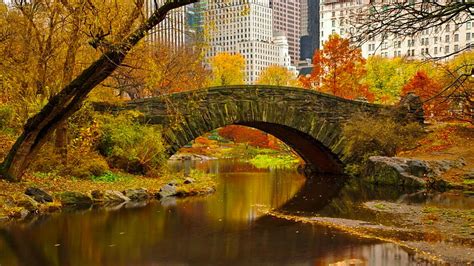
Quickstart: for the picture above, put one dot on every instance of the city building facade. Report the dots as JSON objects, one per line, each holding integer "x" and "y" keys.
{"x": 246, "y": 27}
{"x": 442, "y": 41}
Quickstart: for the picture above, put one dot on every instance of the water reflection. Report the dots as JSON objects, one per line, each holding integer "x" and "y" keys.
{"x": 227, "y": 228}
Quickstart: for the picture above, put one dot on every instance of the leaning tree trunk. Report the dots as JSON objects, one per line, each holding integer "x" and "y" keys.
{"x": 70, "y": 98}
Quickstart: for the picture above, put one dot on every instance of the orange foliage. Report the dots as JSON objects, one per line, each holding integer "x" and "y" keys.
{"x": 427, "y": 88}
{"x": 203, "y": 141}
{"x": 440, "y": 140}
{"x": 241, "y": 134}
{"x": 338, "y": 69}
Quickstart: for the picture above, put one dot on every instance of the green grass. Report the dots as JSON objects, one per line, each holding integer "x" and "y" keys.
{"x": 108, "y": 177}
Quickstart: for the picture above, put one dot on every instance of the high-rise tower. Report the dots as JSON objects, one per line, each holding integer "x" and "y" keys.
{"x": 287, "y": 20}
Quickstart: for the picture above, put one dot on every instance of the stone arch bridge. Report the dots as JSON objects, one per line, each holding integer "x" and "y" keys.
{"x": 308, "y": 121}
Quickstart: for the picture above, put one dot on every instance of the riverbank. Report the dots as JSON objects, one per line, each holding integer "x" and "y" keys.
{"x": 442, "y": 235}
{"x": 114, "y": 190}
{"x": 443, "y": 159}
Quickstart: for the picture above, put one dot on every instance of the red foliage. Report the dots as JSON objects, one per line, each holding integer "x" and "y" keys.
{"x": 429, "y": 90}
{"x": 338, "y": 69}
{"x": 241, "y": 134}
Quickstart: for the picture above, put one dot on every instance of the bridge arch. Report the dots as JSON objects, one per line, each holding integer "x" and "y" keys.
{"x": 308, "y": 121}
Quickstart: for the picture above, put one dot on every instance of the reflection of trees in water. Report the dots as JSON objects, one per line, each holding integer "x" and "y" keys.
{"x": 219, "y": 229}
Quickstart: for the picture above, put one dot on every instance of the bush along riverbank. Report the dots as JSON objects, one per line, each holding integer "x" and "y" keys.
{"x": 38, "y": 195}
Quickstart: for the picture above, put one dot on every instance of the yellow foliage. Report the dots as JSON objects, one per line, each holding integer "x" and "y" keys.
{"x": 227, "y": 69}
{"x": 277, "y": 75}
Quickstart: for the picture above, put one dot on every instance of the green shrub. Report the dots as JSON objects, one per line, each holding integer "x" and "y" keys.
{"x": 80, "y": 164}
{"x": 131, "y": 146}
{"x": 367, "y": 136}
{"x": 93, "y": 165}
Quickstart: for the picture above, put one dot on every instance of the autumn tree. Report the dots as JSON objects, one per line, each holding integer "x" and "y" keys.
{"x": 242, "y": 134}
{"x": 112, "y": 43}
{"x": 427, "y": 88}
{"x": 338, "y": 70}
{"x": 458, "y": 85}
{"x": 154, "y": 69}
{"x": 227, "y": 69}
{"x": 278, "y": 76}
{"x": 386, "y": 77}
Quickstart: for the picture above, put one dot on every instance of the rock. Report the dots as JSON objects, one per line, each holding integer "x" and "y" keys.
{"x": 393, "y": 171}
{"x": 116, "y": 196}
{"x": 409, "y": 172}
{"x": 27, "y": 202}
{"x": 167, "y": 191}
{"x": 417, "y": 168}
{"x": 188, "y": 180}
{"x": 39, "y": 195}
{"x": 140, "y": 194}
{"x": 75, "y": 198}
{"x": 20, "y": 214}
{"x": 97, "y": 195}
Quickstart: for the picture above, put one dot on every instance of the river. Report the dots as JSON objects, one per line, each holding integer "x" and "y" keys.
{"x": 229, "y": 227}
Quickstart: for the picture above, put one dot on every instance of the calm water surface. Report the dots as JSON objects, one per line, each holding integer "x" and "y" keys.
{"x": 226, "y": 228}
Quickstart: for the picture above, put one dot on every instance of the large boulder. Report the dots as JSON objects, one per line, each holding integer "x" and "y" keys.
{"x": 115, "y": 196}
{"x": 408, "y": 172}
{"x": 75, "y": 198}
{"x": 167, "y": 190}
{"x": 140, "y": 194}
{"x": 38, "y": 194}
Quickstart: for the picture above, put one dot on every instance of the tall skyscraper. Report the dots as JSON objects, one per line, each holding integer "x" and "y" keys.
{"x": 246, "y": 27}
{"x": 309, "y": 40}
{"x": 286, "y": 19}
{"x": 195, "y": 18}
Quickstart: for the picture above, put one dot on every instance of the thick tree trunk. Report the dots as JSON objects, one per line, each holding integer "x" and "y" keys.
{"x": 69, "y": 100}
{"x": 61, "y": 142}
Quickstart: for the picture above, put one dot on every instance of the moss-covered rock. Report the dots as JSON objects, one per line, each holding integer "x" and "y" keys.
{"x": 75, "y": 198}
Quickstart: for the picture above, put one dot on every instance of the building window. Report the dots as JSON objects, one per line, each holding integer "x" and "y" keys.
{"x": 446, "y": 39}
{"x": 456, "y": 37}
{"x": 446, "y": 49}
{"x": 468, "y": 36}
